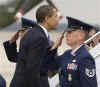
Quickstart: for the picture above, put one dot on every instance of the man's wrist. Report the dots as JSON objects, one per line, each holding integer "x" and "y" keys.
{"x": 12, "y": 41}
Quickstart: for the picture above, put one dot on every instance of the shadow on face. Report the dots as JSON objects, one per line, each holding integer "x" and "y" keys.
{"x": 75, "y": 37}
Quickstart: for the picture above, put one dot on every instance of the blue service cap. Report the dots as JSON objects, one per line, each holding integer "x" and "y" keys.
{"x": 75, "y": 24}
{"x": 27, "y": 23}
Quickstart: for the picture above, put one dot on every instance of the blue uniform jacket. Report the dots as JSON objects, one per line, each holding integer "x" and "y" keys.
{"x": 75, "y": 70}
{"x": 11, "y": 51}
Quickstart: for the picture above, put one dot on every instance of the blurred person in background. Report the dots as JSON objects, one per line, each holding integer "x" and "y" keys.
{"x": 31, "y": 70}
{"x": 11, "y": 46}
{"x": 95, "y": 40}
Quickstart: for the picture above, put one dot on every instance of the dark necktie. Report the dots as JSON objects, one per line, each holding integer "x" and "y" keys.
{"x": 49, "y": 41}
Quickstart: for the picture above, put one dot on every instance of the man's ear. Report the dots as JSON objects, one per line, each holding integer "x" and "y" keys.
{"x": 46, "y": 19}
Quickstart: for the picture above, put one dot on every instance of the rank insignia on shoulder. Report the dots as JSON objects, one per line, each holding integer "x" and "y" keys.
{"x": 90, "y": 72}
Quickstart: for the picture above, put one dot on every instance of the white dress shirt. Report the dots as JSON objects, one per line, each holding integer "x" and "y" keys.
{"x": 45, "y": 30}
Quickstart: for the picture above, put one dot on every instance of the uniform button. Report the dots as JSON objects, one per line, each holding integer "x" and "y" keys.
{"x": 73, "y": 61}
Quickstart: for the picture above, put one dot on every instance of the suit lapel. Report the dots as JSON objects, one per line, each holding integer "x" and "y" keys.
{"x": 48, "y": 42}
{"x": 42, "y": 31}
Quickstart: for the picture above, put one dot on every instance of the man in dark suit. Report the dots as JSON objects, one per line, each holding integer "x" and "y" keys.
{"x": 31, "y": 70}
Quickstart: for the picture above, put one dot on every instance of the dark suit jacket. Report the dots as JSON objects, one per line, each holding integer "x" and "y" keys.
{"x": 31, "y": 61}
{"x": 12, "y": 55}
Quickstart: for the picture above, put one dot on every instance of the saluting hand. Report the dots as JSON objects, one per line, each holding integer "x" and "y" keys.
{"x": 14, "y": 37}
{"x": 58, "y": 41}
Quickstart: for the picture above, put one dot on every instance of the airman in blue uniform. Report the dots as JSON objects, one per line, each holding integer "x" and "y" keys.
{"x": 77, "y": 66}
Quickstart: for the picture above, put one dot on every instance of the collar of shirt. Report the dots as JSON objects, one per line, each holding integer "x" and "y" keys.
{"x": 45, "y": 30}
{"x": 73, "y": 52}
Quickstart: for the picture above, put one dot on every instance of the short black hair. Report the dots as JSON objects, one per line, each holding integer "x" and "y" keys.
{"x": 42, "y": 12}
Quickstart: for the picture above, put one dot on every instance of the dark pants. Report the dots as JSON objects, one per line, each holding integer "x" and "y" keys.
{"x": 44, "y": 81}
